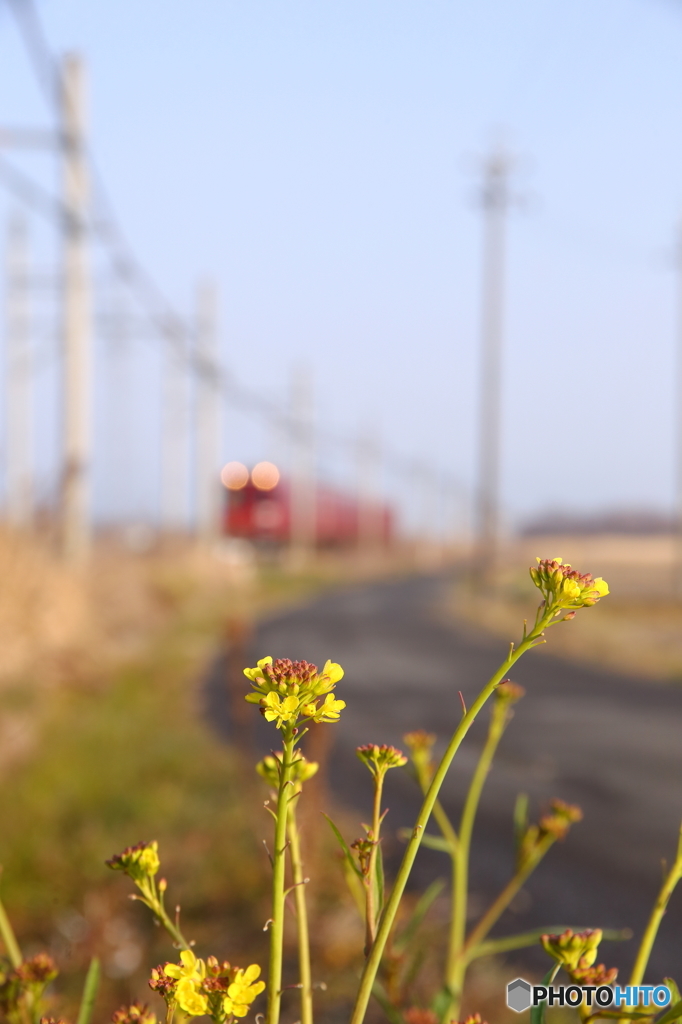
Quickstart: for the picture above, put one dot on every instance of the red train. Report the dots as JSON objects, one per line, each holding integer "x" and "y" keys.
{"x": 265, "y": 514}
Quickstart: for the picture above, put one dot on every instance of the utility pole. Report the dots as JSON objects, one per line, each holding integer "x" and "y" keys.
{"x": 19, "y": 370}
{"x": 495, "y": 203}
{"x": 303, "y": 507}
{"x": 175, "y": 435}
{"x": 77, "y": 328}
{"x": 207, "y": 410}
{"x": 677, "y": 557}
{"x": 369, "y": 525}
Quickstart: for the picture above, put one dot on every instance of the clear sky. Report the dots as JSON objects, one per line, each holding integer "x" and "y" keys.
{"x": 319, "y": 158}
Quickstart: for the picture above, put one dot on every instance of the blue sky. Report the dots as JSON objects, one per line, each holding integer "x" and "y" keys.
{"x": 320, "y": 161}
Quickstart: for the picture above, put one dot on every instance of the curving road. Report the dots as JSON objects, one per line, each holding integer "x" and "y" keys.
{"x": 612, "y": 744}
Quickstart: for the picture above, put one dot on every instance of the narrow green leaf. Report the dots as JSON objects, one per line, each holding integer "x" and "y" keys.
{"x": 418, "y": 914}
{"x": 441, "y": 1001}
{"x": 89, "y": 992}
{"x": 345, "y": 847}
{"x": 432, "y": 842}
{"x": 675, "y": 994}
{"x": 8, "y": 937}
{"x": 537, "y": 1013}
{"x": 673, "y": 1014}
{"x": 525, "y": 939}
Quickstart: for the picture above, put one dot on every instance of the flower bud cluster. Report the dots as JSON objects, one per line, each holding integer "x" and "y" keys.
{"x": 573, "y": 950}
{"x": 380, "y": 758}
{"x": 577, "y": 952}
{"x": 419, "y": 1015}
{"x": 555, "y": 823}
{"x": 565, "y": 588}
{"x": 22, "y": 987}
{"x": 288, "y": 690}
{"x": 301, "y": 769}
{"x": 139, "y": 862}
{"x": 508, "y": 692}
{"x": 207, "y": 988}
{"x": 420, "y": 744}
{"x": 136, "y": 1013}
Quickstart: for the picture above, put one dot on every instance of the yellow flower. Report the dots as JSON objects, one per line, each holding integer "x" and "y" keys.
{"x": 254, "y": 673}
{"x": 333, "y": 671}
{"x": 191, "y": 968}
{"x": 564, "y": 588}
{"x": 149, "y": 859}
{"x": 189, "y": 999}
{"x": 601, "y": 586}
{"x": 279, "y": 710}
{"x": 243, "y": 990}
{"x": 329, "y": 712}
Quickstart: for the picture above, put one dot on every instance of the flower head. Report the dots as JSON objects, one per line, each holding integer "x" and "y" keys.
{"x": 190, "y": 998}
{"x": 380, "y": 758}
{"x": 564, "y": 587}
{"x": 553, "y": 825}
{"x": 301, "y": 769}
{"x": 287, "y": 690}
{"x": 136, "y": 1013}
{"x": 420, "y": 744}
{"x": 139, "y": 862}
{"x": 242, "y": 991}
{"x": 419, "y": 1015}
{"x": 509, "y": 693}
{"x": 38, "y": 970}
{"x": 573, "y": 950}
{"x": 189, "y": 967}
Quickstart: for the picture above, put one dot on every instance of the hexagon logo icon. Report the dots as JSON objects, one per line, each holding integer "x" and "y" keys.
{"x": 518, "y": 995}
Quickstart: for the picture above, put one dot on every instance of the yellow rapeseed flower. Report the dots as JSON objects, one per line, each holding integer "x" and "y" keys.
{"x": 192, "y": 967}
{"x": 279, "y": 711}
{"x": 190, "y": 1000}
{"x": 243, "y": 990}
{"x": 329, "y": 711}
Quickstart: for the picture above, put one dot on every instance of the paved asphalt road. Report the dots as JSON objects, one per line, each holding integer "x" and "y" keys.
{"x": 608, "y": 742}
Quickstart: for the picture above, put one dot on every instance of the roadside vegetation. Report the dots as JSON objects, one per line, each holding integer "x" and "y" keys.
{"x": 307, "y": 925}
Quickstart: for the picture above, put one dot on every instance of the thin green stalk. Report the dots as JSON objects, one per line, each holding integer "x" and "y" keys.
{"x": 278, "y": 865}
{"x": 442, "y": 820}
{"x": 651, "y": 930}
{"x": 370, "y": 880}
{"x": 456, "y": 965}
{"x": 497, "y": 908}
{"x": 301, "y": 918}
{"x": 373, "y": 961}
{"x": 9, "y": 938}
{"x": 89, "y": 992}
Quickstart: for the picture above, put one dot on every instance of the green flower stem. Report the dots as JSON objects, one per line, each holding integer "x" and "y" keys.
{"x": 651, "y": 930}
{"x": 301, "y": 918}
{"x": 89, "y": 992}
{"x": 442, "y": 820}
{"x": 9, "y": 938}
{"x": 278, "y": 865}
{"x": 370, "y": 880}
{"x": 456, "y": 965}
{"x": 497, "y": 908}
{"x": 387, "y": 918}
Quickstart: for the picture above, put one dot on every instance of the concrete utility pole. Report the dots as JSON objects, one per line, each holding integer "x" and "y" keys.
{"x": 19, "y": 370}
{"x": 677, "y": 557}
{"x": 175, "y": 437}
{"x": 77, "y": 327}
{"x": 303, "y": 510}
{"x": 495, "y": 203}
{"x": 369, "y": 524}
{"x": 207, "y": 409}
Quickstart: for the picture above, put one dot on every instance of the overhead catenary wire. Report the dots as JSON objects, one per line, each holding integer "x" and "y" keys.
{"x": 164, "y": 320}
